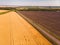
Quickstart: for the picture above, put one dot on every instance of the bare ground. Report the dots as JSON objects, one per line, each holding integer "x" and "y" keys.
{"x": 48, "y": 19}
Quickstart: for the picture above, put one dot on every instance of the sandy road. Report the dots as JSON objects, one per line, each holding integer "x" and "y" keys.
{"x": 14, "y": 30}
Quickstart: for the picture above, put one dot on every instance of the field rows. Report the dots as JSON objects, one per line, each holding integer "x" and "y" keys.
{"x": 14, "y": 30}
{"x": 48, "y": 19}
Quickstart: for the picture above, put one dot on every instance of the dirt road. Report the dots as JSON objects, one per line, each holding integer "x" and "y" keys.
{"x": 14, "y": 30}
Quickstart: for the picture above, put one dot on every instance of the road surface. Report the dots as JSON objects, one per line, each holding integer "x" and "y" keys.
{"x": 14, "y": 30}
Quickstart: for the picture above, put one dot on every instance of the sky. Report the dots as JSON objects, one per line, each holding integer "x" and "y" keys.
{"x": 31, "y": 2}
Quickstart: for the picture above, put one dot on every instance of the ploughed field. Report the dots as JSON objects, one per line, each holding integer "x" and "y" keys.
{"x": 48, "y": 19}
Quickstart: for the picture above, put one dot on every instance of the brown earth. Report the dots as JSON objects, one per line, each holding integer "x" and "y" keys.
{"x": 48, "y": 19}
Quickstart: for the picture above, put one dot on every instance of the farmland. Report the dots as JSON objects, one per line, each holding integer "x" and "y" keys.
{"x": 14, "y": 30}
{"x": 48, "y": 19}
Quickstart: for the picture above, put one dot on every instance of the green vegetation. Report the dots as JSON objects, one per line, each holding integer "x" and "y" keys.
{"x": 30, "y": 8}
{"x": 4, "y": 12}
{"x": 37, "y": 9}
{"x": 7, "y": 8}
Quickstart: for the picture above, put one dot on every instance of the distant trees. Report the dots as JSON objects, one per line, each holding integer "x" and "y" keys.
{"x": 37, "y": 9}
{"x": 29, "y": 9}
{"x": 6, "y": 8}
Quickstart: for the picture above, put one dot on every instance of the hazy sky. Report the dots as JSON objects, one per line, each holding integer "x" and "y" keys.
{"x": 31, "y": 2}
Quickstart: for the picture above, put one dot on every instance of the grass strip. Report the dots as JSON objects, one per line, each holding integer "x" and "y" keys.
{"x": 4, "y": 12}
